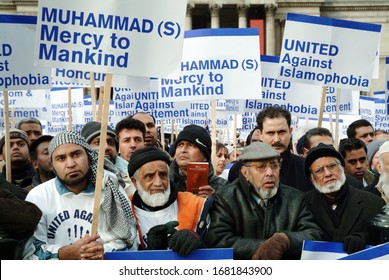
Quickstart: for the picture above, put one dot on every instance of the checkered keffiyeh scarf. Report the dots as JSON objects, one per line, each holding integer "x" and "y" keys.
{"x": 114, "y": 206}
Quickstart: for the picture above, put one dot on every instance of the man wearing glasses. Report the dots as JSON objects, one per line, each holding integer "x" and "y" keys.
{"x": 342, "y": 212}
{"x": 259, "y": 217}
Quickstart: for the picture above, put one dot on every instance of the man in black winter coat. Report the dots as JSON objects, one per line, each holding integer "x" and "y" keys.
{"x": 342, "y": 212}
{"x": 259, "y": 217}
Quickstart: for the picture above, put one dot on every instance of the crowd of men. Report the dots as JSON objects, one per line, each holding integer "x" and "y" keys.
{"x": 263, "y": 200}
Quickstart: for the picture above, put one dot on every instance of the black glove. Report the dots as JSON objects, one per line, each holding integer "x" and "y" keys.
{"x": 185, "y": 241}
{"x": 273, "y": 248}
{"x": 157, "y": 237}
{"x": 353, "y": 243}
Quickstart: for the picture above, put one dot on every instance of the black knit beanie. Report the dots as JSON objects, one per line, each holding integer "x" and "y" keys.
{"x": 14, "y": 133}
{"x": 93, "y": 129}
{"x": 198, "y": 136}
{"x": 145, "y": 155}
{"x": 319, "y": 151}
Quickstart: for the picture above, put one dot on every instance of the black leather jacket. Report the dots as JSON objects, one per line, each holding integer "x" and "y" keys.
{"x": 238, "y": 221}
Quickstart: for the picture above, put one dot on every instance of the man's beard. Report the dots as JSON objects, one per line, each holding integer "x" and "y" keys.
{"x": 263, "y": 193}
{"x": 266, "y": 194}
{"x": 384, "y": 181}
{"x": 153, "y": 200}
{"x": 74, "y": 182}
{"x": 333, "y": 186}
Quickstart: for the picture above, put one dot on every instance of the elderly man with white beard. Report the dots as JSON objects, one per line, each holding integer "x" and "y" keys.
{"x": 341, "y": 211}
{"x": 382, "y": 186}
{"x": 165, "y": 217}
{"x": 259, "y": 217}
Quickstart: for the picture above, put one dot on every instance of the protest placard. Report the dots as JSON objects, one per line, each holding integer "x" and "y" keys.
{"x": 25, "y": 98}
{"x": 348, "y": 103}
{"x": 381, "y": 120}
{"x": 226, "y": 68}
{"x": 367, "y": 108}
{"x": 61, "y": 77}
{"x": 124, "y": 38}
{"x": 128, "y": 102}
{"x": 17, "y": 70}
{"x": 326, "y": 51}
{"x": 300, "y": 99}
{"x": 60, "y": 106}
{"x": 387, "y": 82}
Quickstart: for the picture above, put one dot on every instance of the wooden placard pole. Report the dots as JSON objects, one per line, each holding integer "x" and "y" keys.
{"x": 172, "y": 134}
{"x": 70, "y": 108}
{"x": 93, "y": 95}
{"x": 213, "y": 132}
{"x": 101, "y": 98}
{"x": 13, "y": 117}
{"x": 323, "y": 99}
{"x": 331, "y": 123}
{"x": 8, "y": 174}
{"x": 100, "y": 162}
{"x": 163, "y": 133}
{"x": 337, "y": 118}
{"x": 235, "y": 125}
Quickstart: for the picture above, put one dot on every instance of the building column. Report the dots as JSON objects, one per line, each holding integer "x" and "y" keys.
{"x": 242, "y": 15}
{"x": 215, "y": 12}
{"x": 280, "y": 25}
{"x": 188, "y": 18}
{"x": 270, "y": 29}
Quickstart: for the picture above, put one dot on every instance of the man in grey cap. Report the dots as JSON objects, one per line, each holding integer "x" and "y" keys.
{"x": 259, "y": 217}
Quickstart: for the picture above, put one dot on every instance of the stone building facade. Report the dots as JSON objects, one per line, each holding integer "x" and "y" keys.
{"x": 268, "y": 14}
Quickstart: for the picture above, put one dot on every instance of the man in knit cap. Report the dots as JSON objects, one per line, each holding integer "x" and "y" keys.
{"x": 22, "y": 170}
{"x": 341, "y": 211}
{"x": 166, "y": 217}
{"x": 256, "y": 215}
{"x": 194, "y": 144}
{"x": 382, "y": 186}
{"x": 67, "y": 205}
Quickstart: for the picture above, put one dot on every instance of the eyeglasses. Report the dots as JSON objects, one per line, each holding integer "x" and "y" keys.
{"x": 330, "y": 167}
{"x": 262, "y": 167}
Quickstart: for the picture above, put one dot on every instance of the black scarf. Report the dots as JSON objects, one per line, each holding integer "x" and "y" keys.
{"x": 340, "y": 201}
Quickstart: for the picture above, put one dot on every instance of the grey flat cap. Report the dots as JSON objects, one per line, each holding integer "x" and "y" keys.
{"x": 258, "y": 151}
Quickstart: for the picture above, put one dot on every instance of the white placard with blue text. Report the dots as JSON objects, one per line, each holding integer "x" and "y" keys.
{"x": 387, "y": 80}
{"x": 78, "y": 78}
{"x": 17, "y": 70}
{"x": 299, "y": 99}
{"x": 123, "y": 37}
{"x": 381, "y": 120}
{"x": 25, "y": 98}
{"x": 332, "y": 52}
{"x": 216, "y": 64}
{"x": 128, "y": 102}
{"x": 348, "y": 101}
{"x": 367, "y": 108}
{"x": 60, "y": 106}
